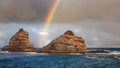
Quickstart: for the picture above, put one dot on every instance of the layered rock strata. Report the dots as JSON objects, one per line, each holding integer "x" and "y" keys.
{"x": 19, "y": 43}
{"x": 66, "y": 43}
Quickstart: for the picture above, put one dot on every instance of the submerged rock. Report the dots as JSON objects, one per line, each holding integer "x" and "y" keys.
{"x": 66, "y": 43}
{"x": 19, "y": 43}
{"x": 97, "y": 51}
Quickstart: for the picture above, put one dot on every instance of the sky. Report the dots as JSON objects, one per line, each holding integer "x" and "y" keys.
{"x": 97, "y": 21}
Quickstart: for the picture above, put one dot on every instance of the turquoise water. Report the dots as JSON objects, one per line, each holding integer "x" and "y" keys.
{"x": 34, "y": 60}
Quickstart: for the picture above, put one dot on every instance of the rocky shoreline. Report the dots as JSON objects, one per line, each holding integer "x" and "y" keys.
{"x": 87, "y": 52}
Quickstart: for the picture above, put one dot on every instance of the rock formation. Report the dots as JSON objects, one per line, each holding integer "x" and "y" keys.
{"x": 19, "y": 43}
{"x": 66, "y": 43}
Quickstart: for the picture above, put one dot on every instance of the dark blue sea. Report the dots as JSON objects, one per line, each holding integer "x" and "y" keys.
{"x": 34, "y": 60}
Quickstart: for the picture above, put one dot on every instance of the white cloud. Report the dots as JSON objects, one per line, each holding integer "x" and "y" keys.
{"x": 95, "y": 33}
{"x": 1, "y": 34}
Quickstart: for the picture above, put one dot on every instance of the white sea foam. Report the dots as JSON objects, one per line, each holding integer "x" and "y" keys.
{"x": 98, "y": 58}
{"x": 4, "y": 52}
{"x": 74, "y": 53}
{"x": 91, "y": 57}
{"x": 117, "y": 57}
{"x": 30, "y": 52}
{"x": 114, "y": 53}
{"x": 42, "y": 53}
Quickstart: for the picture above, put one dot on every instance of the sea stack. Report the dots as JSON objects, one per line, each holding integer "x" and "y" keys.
{"x": 66, "y": 43}
{"x": 19, "y": 43}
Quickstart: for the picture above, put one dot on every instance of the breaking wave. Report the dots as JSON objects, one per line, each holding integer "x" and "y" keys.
{"x": 115, "y": 53}
{"x": 117, "y": 57}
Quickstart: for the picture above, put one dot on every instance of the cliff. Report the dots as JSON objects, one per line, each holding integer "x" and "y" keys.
{"x": 66, "y": 43}
{"x": 19, "y": 43}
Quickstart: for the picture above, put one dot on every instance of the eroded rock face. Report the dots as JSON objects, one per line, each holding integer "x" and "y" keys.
{"x": 66, "y": 43}
{"x": 19, "y": 43}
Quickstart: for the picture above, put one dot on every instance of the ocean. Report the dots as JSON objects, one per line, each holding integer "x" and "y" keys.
{"x": 36, "y": 60}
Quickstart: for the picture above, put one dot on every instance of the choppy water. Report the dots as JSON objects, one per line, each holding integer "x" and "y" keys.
{"x": 34, "y": 60}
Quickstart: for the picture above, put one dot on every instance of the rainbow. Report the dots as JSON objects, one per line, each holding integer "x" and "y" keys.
{"x": 50, "y": 14}
{"x": 44, "y": 35}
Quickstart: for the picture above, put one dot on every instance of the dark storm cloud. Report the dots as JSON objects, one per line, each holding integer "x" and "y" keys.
{"x": 76, "y": 10}
{"x": 24, "y": 10}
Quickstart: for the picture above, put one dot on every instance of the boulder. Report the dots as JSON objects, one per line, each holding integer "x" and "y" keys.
{"x": 19, "y": 43}
{"x": 66, "y": 43}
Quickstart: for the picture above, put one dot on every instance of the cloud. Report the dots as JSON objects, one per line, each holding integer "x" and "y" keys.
{"x": 76, "y": 10}
{"x": 24, "y": 10}
{"x": 9, "y": 29}
{"x": 95, "y": 33}
{"x": 70, "y": 11}
{"x": 97, "y": 21}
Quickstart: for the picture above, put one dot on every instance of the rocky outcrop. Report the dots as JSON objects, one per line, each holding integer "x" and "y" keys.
{"x": 19, "y": 43}
{"x": 97, "y": 51}
{"x": 66, "y": 43}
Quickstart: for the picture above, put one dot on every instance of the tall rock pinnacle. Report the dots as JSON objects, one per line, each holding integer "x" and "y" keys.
{"x": 19, "y": 42}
